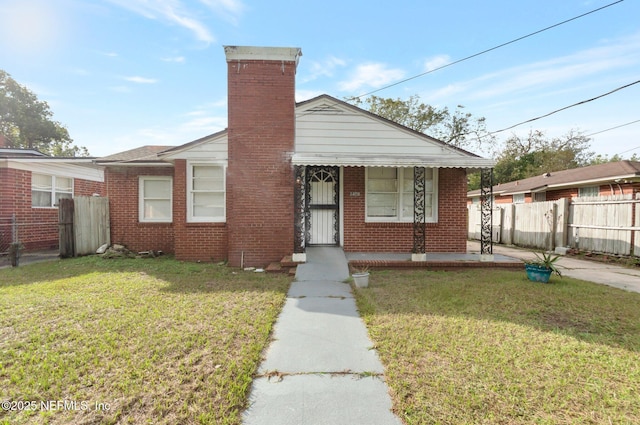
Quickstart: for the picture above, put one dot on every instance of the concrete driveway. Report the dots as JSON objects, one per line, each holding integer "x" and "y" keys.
{"x": 592, "y": 271}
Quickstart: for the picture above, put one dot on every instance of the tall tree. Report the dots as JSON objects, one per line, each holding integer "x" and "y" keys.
{"x": 460, "y": 128}
{"x": 26, "y": 122}
{"x": 535, "y": 154}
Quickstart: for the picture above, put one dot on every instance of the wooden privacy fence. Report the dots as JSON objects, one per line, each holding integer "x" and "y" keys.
{"x": 605, "y": 224}
{"x": 608, "y": 225}
{"x": 83, "y": 225}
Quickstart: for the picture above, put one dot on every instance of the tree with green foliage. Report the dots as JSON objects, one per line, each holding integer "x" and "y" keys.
{"x": 26, "y": 122}
{"x": 460, "y": 129}
{"x": 536, "y": 154}
{"x": 601, "y": 159}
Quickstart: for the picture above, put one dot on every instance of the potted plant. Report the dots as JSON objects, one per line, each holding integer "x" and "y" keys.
{"x": 540, "y": 269}
{"x": 361, "y": 277}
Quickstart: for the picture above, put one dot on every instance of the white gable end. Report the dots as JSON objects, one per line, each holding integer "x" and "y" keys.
{"x": 214, "y": 147}
{"x": 328, "y": 132}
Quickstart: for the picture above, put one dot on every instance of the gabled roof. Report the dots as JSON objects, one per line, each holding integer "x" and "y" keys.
{"x": 332, "y": 132}
{"x": 584, "y": 176}
{"x": 143, "y": 154}
{"x": 328, "y": 132}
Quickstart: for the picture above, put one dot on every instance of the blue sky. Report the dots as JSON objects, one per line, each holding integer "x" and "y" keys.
{"x": 126, "y": 73}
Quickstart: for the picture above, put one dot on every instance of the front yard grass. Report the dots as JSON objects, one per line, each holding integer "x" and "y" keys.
{"x": 90, "y": 341}
{"x": 490, "y": 347}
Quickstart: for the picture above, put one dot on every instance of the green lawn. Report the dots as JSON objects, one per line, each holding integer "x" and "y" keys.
{"x": 132, "y": 341}
{"x": 490, "y": 347}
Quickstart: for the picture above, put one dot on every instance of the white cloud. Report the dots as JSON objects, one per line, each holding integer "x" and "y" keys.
{"x": 565, "y": 73}
{"x": 324, "y": 68}
{"x": 373, "y": 75}
{"x": 436, "y": 62}
{"x": 120, "y": 89}
{"x": 228, "y": 9}
{"x": 141, "y": 80}
{"x": 184, "y": 14}
{"x": 302, "y": 95}
{"x": 177, "y": 59}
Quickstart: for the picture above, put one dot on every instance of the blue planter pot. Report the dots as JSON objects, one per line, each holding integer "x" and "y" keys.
{"x": 537, "y": 273}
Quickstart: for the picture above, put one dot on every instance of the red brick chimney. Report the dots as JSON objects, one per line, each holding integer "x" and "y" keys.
{"x": 261, "y": 134}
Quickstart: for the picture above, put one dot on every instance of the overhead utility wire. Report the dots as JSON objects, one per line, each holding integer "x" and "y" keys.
{"x": 487, "y": 50}
{"x": 567, "y": 107}
{"x": 612, "y": 128}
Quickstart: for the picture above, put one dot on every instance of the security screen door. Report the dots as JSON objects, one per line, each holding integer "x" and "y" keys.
{"x": 323, "y": 205}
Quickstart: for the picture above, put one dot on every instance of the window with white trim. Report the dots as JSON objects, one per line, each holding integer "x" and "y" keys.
{"x": 46, "y": 191}
{"x": 206, "y": 193}
{"x": 389, "y": 194}
{"x": 155, "y": 199}
{"x": 518, "y": 198}
{"x": 589, "y": 191}
{"x": 540, "y": 197}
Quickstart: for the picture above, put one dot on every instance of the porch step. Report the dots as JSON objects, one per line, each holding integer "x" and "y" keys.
{"x": 286, "y": 265}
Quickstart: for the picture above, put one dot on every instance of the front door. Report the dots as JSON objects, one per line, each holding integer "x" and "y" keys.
{"x": 323, "y": 226}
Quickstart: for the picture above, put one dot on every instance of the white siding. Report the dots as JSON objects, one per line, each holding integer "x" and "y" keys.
{"x": 214, "y": 149}
{"x": 325, "y": 128}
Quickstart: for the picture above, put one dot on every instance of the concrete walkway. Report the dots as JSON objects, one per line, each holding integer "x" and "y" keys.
{"x": 591, "y": 271}
{"x": 320, "y": 367}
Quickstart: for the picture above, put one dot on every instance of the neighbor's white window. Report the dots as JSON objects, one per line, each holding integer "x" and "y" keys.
{"x": 46, "y": 191}
{"x": 206, "y": 193}
{"x": 518, "y": 198}
{"x": 589, "y": 191}
{"x": 155, "y": 199}
{"x": 389, "y": 194}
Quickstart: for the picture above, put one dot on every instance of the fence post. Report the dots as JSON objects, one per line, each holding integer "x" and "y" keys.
{"x": 65, "y": 223}
{"x": 554, "y": 225}
{"x": 14, "y": 228}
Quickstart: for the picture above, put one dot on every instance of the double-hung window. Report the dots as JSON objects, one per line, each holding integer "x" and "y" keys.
{"x": 206, "y": 193}
{"x": 390, "y": 198}
{"x": 46, "y": 191}
{"x": 589, "y": 191}
{"x": 155, "y": 199}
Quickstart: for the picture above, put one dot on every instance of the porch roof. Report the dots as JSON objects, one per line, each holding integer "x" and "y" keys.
{"x": 364, "y": 160}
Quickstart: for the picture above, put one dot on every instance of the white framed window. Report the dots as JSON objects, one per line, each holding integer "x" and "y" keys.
{"x": 540, "y": 197}
{"x": 46, "y": 191}
{"x": 389, "y": 194}
{"x": 206, "y": 192}
{"x": 589, "y": 191}
{"x": 155, "y": 199}
{"x": 518, "y": 198}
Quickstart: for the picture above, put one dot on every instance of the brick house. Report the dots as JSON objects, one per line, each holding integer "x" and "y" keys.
{"x": 285, "y": 176}
{"x": 32, "y": 184}
{"x": 611, "y": 178}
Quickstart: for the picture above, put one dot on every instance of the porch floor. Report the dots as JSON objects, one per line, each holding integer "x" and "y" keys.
{"x": 435, "y": 260}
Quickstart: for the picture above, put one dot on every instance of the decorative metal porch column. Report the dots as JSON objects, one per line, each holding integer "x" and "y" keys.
{"x": 419, "y": 224}
{"x": 486, "y": 214}
{"x": 299, "y": 214}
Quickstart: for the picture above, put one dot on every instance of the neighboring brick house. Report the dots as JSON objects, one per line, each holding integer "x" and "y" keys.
{"x": 31, "y": 184}
{"x": 285, "y": 176}
{"x": 611, "y": 178}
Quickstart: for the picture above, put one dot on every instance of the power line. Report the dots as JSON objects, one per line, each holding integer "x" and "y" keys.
{"x": 613, "y": 128}
{"x": 488, "y": 50}
{"x": 566, "y": 107}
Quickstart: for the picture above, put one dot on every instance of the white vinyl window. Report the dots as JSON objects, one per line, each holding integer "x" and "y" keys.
{"x": 518, "y": 198}
{"x": 46, "y": 191}
{"x": 155, "y": 199}
{"x": 389, "y": 194}
{"x": 589, "y": 191}
{"x": 206, "y": 193}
